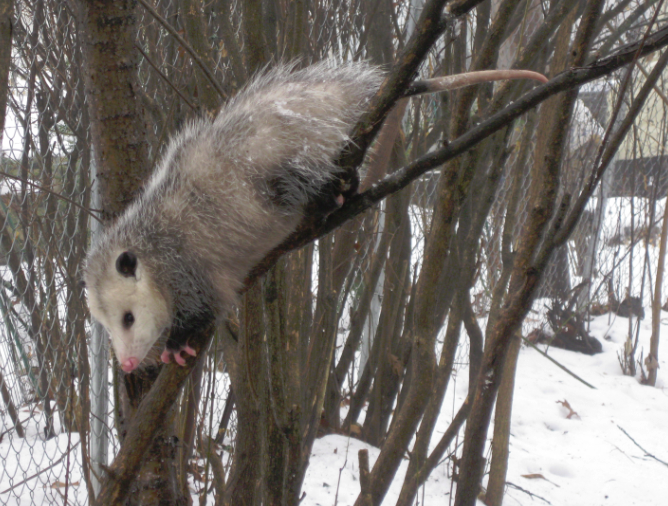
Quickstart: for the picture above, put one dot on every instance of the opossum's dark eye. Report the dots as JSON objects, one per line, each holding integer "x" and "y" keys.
{"x": 126, "y": 264}
{"x": 128, "y": 320}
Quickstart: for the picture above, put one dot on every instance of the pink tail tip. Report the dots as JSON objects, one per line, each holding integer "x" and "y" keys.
{"x": 130, "y": 364}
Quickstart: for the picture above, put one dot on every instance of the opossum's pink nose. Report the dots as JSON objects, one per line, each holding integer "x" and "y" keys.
{"x": 130, "y": 364}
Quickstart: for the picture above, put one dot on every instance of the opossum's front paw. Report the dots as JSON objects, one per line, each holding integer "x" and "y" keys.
{"x": 331, "y": 198}
{"x": 340, "y": 190}
{"x": 179, "y": 358}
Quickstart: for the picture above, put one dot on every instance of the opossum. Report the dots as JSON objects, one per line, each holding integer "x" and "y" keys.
{"x": 226, "y": 192}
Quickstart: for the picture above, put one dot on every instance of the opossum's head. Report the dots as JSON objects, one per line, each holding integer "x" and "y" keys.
{"x": 124, "y": 297}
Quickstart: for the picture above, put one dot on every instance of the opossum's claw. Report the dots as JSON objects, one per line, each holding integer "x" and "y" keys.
{"x": 166, "y": 356}
{"x": 179, "y": 359}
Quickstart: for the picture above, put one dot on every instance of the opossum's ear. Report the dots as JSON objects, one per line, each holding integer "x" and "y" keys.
{"x": 126, "y": 264}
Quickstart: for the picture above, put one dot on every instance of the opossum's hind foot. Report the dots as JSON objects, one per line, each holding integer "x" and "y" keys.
{"x": 332, "y": 196}
{"x": 291, "y": 188}
{"x": 341, "y": 189}
{"x": 179, "y": 358}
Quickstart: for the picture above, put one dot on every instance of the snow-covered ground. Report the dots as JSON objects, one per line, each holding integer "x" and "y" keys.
{"x": 583, "y": 460}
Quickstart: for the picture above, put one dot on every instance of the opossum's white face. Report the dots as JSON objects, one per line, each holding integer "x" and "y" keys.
{"x": 126, "y": 301}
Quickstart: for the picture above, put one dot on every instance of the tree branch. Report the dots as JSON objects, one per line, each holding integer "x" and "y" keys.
{"x": 149, "y": 418}
{"x": 205, "y": 69}
{"x": 567, "y": 80}
{"x": 429, "y": 27}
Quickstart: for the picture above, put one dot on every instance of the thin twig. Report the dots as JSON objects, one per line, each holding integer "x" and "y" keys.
{"x": 429, "y": 27}
{"x": 557, "y": 363}
{"x": 165, "y": 78}
{"x": 185, "y": 46}
{"x": 647, "y": 454}
{"x": 531, "y": 494}
{"x": 65, "y": 501}
{"x": 55, "y": 194}
{"x": 338, "y": 483}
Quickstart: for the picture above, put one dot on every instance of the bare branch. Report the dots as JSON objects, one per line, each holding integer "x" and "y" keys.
{"x": 55, "y": 194}
{"x": 185, "y": 46}
{"x": 646, "y": 452}
{"x": 165, "y": 78}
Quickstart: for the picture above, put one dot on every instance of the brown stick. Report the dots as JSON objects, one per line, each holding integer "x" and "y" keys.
{"x": 365, "y": 494}
{"x": 6, "y": 9}
{"x": 149, "y": 418}
{"x": 11, "y": 408}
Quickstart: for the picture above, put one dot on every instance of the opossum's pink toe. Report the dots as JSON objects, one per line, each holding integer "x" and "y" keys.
{"x": 130, "y": 364}
{"x": 340, "y": 200}
{"x": 179, "y": 358}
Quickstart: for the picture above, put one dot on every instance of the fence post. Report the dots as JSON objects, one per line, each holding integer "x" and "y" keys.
{"x": 99, "y": 357}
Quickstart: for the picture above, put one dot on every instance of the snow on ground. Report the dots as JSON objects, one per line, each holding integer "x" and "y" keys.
{"x": 582, "y": 460}
{"x": 24, "y": 481}
{"x": 322, "y": 485}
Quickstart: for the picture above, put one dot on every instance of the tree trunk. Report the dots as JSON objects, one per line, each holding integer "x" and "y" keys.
{"x": 652, "y": 360}
{"x": 6, "y": 11}
{"x": 117, "y": 124}
{"x": 241, "y": 354}
{"x": 118, "y": 134}
{"x": 502, "y": 417}
{"x": 11, "y": 408}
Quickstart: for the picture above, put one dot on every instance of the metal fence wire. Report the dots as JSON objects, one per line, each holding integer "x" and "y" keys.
{"x": 56, "y": 421}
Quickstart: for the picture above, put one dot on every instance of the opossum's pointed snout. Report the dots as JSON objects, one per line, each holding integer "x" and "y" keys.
{"x": 130, "y": 364}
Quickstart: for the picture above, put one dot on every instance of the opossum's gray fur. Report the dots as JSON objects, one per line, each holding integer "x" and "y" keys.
{"x": 225, "y": 194}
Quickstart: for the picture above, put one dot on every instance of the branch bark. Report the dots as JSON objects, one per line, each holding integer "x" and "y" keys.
{"x": 148, "y": 419}
{"x": 116, "y": 119}
{"x": 6, "y": 11}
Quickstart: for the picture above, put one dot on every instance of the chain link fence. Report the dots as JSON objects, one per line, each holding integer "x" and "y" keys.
{"x": 57, "y": 422}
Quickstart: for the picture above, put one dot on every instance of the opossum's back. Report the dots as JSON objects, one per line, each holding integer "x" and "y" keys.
{"x": 236, "y": 187}
{"x": 270, "y": 150}
{"x": 283, "y": 125}
{"x": 295, "y": 123}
